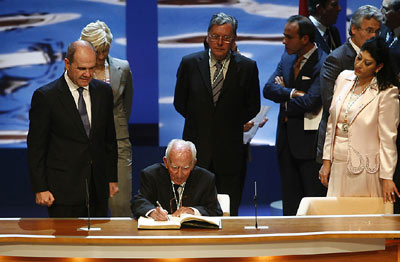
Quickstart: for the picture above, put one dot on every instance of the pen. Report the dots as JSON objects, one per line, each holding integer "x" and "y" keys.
{"x": 159, "y": 205}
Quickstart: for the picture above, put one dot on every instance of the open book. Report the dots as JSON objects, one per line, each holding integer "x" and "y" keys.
{"x": 185, "y": 220}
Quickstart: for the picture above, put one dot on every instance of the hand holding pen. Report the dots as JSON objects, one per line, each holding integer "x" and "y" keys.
{"x": 159, "y": 214}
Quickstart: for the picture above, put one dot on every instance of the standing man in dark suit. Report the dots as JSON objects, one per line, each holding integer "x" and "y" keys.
{"x": 72, "y": 149}
{"x": 176, "y": 187}
{"x": 217, "y": 92}
{"x": 391, "y": 33}
{"x": 365, "y": 24}
{"x": 295, "y": 84}
{"x": 391, "y": 11}
{"x": 323, "y": 14}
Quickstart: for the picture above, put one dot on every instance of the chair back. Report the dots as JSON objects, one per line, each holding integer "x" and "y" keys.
{"x": 224, "y": 202}
{"x": 343, "y": 206}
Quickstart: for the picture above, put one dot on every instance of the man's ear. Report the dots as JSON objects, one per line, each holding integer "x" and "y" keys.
{"x": 305, "y": 39}
{"x": 353, "y": 29}
{"x": 67, "y": 64}
{"x": 165, "y": 161}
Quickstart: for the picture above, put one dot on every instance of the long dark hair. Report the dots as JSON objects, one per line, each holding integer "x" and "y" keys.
{"x": 379, "y": 51}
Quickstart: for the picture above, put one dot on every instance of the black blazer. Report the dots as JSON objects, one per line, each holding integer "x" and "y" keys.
{"x": 340, "y": 59}
{"x": 155, "y": 184}
{"x": 60, "y": 154}
{"x": 320, "y": 41}
{"x": 300, "y": 141}
{"x": 217, "y": 131}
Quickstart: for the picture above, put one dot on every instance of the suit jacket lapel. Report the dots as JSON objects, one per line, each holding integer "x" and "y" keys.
{"x": 341, "y": 97}
{"x": 95, "y": 101}
{"x": 115, "y": 74}
{"x": 230, "y": 78}
{"x": 366, "y": 98}
{"x": 68, "y": 102}
{"x": 204, "y": 69}
{"x": 350, "y": 52}
{"x": 307, "y": 68}
{"x": 320, "y": 41}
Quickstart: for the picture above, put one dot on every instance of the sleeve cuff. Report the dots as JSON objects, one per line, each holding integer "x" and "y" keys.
{"x": 196, "y": 211}
{"x": 291, "y": 93}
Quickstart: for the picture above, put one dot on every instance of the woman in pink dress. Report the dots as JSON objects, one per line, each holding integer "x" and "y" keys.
{"x": 360, "y": 151}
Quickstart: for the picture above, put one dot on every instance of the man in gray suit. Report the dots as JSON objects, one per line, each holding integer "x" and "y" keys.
{"x": 365, "y": 24}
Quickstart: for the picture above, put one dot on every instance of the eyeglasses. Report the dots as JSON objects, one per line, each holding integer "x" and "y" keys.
{"x": 370, "y": 30}
{"x": 226, "y": 38}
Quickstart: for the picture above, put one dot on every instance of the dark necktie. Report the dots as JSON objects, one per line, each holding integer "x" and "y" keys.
{"x": 296, "y": 67}
{"x": 83, "y": 112}
{"x": 218, "y": 81}
{"x": 328, "y": 39}
{"x": 177, "y": 190}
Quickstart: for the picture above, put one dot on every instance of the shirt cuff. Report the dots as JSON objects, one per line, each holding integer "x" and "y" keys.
{"x": 148, "y": 212}
{"x": 291, "y": 93}
{"x": 196, "y": 212}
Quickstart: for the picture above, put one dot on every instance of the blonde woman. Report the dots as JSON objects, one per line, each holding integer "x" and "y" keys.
{"x": 117, "y": 73}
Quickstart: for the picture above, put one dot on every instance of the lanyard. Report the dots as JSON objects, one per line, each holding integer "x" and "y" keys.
{"x": 345, "y": 126}
{"x": 220, "y": 71}
{"x": 178, "y": 203}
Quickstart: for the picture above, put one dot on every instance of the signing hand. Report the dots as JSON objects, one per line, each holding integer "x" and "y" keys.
{"x": 44, "y": 198}
{"x": 389, "y": 191}
{"x": 159, "y": 214}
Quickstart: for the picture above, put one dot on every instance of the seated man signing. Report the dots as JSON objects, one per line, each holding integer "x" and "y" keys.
{"x": 177, "y": 186}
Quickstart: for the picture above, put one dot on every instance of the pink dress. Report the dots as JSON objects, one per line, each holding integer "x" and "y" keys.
{"x": 342, "y": 183}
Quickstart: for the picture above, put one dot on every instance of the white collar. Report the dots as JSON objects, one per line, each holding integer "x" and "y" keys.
{"x": 321, "y": 28}
{"x": 355, "y": 47}
{"x": 72, "y": 86}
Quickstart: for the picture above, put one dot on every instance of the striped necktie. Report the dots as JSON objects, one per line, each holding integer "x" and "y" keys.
{"x": 217, "y": 83}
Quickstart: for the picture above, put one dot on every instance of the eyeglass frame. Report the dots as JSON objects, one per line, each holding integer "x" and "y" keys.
{"x": 227, "y": 39}
{"x": 370, "y": 30}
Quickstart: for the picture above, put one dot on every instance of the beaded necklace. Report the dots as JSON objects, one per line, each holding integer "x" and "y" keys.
{"x": 345, "y": 126}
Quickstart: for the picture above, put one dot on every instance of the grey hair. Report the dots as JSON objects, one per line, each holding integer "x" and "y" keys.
{"x": 183, "y": 143}
{"x": 365, "y": 12}
{"x": 99, "y": 34}
{"x": 221, "y": 19}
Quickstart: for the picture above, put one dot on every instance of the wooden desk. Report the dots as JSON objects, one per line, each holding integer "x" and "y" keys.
{"x": 119, "y": 238}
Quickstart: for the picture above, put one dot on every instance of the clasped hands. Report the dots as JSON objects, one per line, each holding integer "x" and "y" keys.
{"x": 160, "y": 214}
